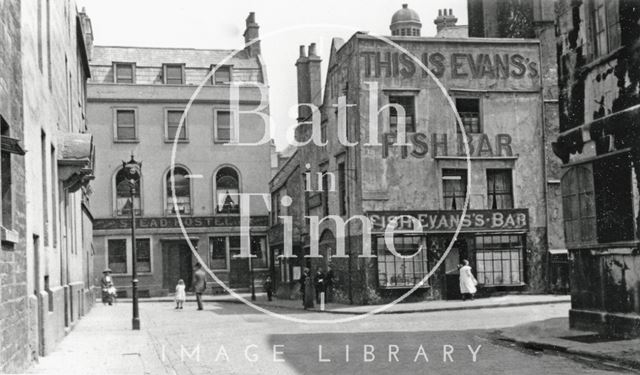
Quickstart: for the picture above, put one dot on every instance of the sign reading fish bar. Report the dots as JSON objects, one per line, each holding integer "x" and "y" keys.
{"x": 448, "y": 221}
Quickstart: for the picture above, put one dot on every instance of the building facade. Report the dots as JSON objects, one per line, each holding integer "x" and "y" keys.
{"x": 46, "y": 262}
{"x": 369, "y": 84}
{"x": 137, "y": 98}
{"x": 598, "y": 146}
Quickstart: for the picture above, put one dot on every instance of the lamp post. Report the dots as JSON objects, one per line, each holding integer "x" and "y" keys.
{"x": 132, "y": 171}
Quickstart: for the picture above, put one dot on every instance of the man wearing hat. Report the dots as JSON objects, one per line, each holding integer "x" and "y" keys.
{"x": 107, "y": 285}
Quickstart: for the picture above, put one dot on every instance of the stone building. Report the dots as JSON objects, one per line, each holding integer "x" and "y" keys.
{"x": 46, "y": 262}
{"x": 137, "y": 98}
{"x": 599, "y": 147}
{"x": 534, "y": 19}
{"x": 372, "y": 87}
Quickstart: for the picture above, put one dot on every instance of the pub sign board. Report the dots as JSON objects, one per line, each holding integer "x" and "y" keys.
{"x": 448, "y": 221}
{"x": 172, "y": 222}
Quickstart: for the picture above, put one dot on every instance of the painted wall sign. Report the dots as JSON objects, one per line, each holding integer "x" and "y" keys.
{"x": 456, "y": 65}
{"x": 447, "y": 221}
{"x": 480, "y": 145}
{"x": 172, "y": 222}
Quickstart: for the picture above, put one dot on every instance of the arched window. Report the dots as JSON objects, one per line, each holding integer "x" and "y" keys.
{"x": 227, "y": 191}
{"x": 178, "y": 194}
{"x": 123, "y": 194}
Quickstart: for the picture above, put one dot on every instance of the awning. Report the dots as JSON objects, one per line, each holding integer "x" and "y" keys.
{"x": 11, "y": 145}
{"x": 75, "y": 160}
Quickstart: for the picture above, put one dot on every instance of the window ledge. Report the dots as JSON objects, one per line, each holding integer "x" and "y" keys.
{"x": 167, "y": 140}
{"x": 126, "y": 141}
{"x": 8, "y": 235}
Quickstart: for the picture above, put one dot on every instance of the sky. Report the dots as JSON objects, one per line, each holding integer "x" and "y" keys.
{"x": 284, "y": 26}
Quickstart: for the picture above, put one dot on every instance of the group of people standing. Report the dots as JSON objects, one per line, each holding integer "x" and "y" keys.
{"x": 316, "y": 286}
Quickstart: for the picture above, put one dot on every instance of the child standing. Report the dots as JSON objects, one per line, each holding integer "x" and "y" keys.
{"x": 181, "y": 295}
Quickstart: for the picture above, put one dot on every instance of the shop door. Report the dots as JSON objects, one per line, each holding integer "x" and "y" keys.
{"x": 239, "y": 273}
{"x": 176, "y": 264}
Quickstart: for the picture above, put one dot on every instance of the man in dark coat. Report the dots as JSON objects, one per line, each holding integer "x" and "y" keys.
{"x": 199, "y": 283}
{"x": 319, "y": 284}
{"x": 328, "y": 284}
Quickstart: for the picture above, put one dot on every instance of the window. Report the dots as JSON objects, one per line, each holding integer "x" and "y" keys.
{"x": 8, "y": 146}
{"x": 606, "y": 26}
{"x": 178, "y": 199}
{"x": 227, "y": 191}
{"x": 454, "y": 188}
{"x": 469, "y": 112}
{"x": 394, "y": 271}
{"x": 124, "y": 73}
{"x": 172, "y": 124}
{"x": 143, "y": 255}
{"x": 223, "y": 127}
{"x": 222, "y": 75}
{"x": 174, "y": 74}
{"x": 499, "y": 260}
{"x": 258, "y": 248}
{"x": 325, "y": 187}
{"x": 277, "y": 209}
{"x": 342, "y": 189}
{"x": 126, "y": 125}
{"x": 408, "y": 104}
{"x": 117, "y": 250}
{"x": 123, "y": 194}
{"x": 499, "y": 189}
{"x": 218, "y": 251}
{"x": 578, "y": 205}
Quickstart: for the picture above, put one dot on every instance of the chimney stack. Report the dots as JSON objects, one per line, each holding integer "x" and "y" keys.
{"x": 303, "y": 83}
{"x": 252, "y": 32}
{"x": 309, "y": 80}
{"x": 445, "y": 19}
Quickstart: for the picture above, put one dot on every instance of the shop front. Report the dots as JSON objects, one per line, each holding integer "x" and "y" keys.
{"x": 493, "y": 241}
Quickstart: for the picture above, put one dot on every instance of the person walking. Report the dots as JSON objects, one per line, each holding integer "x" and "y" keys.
{"x": 268, "y": 287}
{"x": 303, "y": 279}
{"x": 199, "y": 283}
{"x": 467, "y": 281}
{"x": 308, "y": 290}
{"x": 181, "y": 295}
{"x": 108, "y": 290}
{"x": 318, "y": 282}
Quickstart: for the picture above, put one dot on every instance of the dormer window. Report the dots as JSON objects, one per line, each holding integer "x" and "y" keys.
{"x": 222, "y": 75}
{"x": 174, "y": 74}
{"x": 123, "y": 72}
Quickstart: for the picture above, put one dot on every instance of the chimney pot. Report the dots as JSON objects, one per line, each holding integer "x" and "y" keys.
{"x": 303, "y": 52}
{"x": 312, "y": 49}
{"x": 439, "y": 12}
{"x": 405, "y": 6}
{"x": 450, "y": 12}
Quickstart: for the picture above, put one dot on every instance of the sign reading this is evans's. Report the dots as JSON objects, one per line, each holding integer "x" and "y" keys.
{"x": 448, "y": 221}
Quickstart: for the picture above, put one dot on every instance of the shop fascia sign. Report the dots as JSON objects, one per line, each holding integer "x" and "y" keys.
{"x": 448, "y": 221}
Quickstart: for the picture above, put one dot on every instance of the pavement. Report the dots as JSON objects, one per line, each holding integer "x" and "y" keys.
{"x": 232, "y": 338}
{"x": 398, "y": 308}
{"x": 555, "y": 334}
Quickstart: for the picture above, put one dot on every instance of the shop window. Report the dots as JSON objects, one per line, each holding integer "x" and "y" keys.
{"x": 222, "y": 75}
{"x": 143, "y": 255}
{"x": 123, "y": 194}
{"x": 227, "y": 191}
{"x": 454, "y": 188}
{"x": 172, "y": 123}
{"x": 258, "y": 247}
{"x": 218, "y": 251}
{"x": 499, "y": 189}
{"x": 394, "y": 271}
{"x": 125, "y": 125}
{"x": 578, "y": 205}
{"x": 223, "y": 126}
{"x": 469, "y": 112}
{"x": 499, "y": 260}
{"x": 408, "y": 104}
{"x": 124, "y": 72}
{"x": 117, "y": 250}
{"x": 174, "y": 74}
{"x": 178, "y": 199}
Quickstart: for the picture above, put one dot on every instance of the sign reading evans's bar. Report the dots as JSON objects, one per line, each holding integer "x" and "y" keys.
{"x": 172, "y": 222}
{"x": 448, "y": 221}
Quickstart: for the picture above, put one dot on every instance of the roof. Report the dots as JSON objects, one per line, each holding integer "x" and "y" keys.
{"x": 156, "y": 56}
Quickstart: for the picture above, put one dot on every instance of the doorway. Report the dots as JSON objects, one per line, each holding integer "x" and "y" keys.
{"x": 176, "y": 264}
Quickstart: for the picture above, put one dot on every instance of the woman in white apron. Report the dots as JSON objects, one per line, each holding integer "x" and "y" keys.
{"x": 467, "y": 281}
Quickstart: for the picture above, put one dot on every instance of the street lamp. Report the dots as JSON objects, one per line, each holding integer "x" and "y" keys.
{"x": 132, "y": 172}
{"x": 251, "y": 275}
